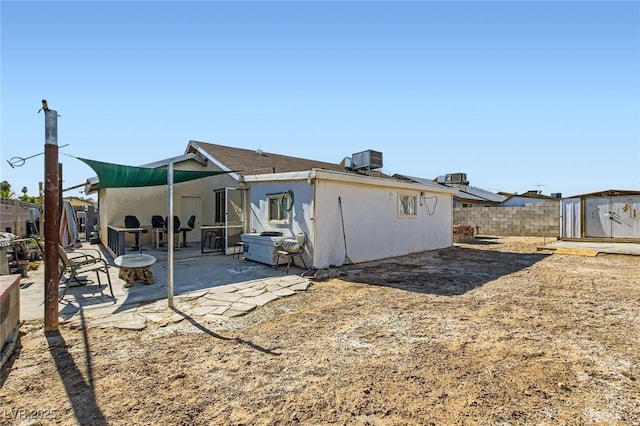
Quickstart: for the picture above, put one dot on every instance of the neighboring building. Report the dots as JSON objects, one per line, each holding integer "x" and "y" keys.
{"x": 467, "y": 196}
{"x": 530, "y": 197}
{"x": 383, "y": 217}
{"x": 79, "y": 204}
{"x": 19, "y": 217}
{"x": 611, "y": 215}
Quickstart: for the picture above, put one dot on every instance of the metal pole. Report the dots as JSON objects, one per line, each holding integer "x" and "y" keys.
{"x": 170, "y": 237}
{"x": 51, "y": 220}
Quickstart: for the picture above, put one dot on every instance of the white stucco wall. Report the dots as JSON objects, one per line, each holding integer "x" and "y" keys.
{"x": 300, "y": 215}
{"x": 373, "y": 228}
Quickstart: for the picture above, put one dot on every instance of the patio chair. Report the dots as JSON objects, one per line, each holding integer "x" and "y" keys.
{"x": 72, "y": 265}
{"x": 157, "y": 226}
{"x": 190, "y": 225}
{"x": 133, "y": 222}
{"x": 176, "y": 227}
{"x": 292, "y": 247}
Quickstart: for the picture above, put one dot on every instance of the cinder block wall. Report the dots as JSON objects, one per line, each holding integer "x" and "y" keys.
{"x": 532, "y": 220}
{"x": 9, "y": 314}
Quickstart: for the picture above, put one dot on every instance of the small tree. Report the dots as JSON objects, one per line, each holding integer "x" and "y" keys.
{"x": 5, "y": 190}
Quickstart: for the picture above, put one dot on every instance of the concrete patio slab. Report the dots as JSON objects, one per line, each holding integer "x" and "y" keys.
{"x": 211, "y": 286}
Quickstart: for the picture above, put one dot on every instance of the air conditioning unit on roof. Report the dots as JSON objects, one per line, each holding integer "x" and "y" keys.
{"x": 367, "y": 160}
{"x": 460, "y": 178}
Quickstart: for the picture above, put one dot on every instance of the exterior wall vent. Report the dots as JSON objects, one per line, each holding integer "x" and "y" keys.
{"x": 367, "y": 160}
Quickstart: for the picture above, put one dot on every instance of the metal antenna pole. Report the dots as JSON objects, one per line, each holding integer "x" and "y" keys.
{"x": 51, "y": 218}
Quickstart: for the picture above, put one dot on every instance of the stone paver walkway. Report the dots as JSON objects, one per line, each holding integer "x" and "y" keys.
{"x": 209, "y": 305}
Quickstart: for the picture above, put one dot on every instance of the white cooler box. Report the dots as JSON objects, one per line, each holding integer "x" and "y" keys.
{"x": 262, "y": 248}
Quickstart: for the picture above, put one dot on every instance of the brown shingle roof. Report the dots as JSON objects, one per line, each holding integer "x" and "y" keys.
{"x": 249, "y": 162}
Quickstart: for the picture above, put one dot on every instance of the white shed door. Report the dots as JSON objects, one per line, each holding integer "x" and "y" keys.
{"x": 570, "y": 218}
{"x": 615, "y": 217}
{"x": 597, "y": 222}
{"x": 624, "y": 217}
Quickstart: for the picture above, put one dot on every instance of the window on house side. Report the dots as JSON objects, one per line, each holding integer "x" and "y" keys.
{"x": 277, "y": 211}
{"x": 407, "y": 205}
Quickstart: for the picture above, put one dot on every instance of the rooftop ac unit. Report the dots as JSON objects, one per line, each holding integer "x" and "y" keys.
{"x": 556, "y": 195}
{"x": 367, "y": 160}
{"x": 457, "y": 178}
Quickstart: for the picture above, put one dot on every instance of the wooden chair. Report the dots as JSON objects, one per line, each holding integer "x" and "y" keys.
{"x": 80, "y": 263}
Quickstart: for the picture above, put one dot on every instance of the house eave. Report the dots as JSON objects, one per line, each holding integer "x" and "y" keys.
{"x": 350, "y": 178}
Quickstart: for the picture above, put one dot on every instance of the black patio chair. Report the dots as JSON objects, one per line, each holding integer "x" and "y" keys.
{"x": 157, "y": 227}
{"x": 176, "y": 226}
{"x": 131, "y": 221}
{"x": 190, "y": 225}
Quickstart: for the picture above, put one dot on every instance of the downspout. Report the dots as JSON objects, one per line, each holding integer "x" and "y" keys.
{"x": 314, "y": 190}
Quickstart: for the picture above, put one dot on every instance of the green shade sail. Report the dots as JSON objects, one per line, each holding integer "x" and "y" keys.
{"x": 119, "y": 176}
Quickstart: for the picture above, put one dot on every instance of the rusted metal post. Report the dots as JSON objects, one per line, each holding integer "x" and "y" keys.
{"x": 51, "y": 220}
{"x": 41, "y": 209}
{"x": 59, "y": 192}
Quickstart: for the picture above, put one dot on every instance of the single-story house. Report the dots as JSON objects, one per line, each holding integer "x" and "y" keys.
{"x": 383, "y": 217}
{"x": 611, "y": 215}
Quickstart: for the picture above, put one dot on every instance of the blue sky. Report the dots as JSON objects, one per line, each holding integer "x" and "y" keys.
{"x": 518, "y": 95}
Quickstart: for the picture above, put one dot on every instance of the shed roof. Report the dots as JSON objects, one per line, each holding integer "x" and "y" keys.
{"x": 609, "y": 193}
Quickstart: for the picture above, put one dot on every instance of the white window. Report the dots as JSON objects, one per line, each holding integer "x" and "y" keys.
{"x": 407, "y": 205}
{"x": 279, "y": 206}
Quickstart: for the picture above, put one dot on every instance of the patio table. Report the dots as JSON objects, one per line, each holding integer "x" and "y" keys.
{"x": 135, "y": 267}
{"x": 115, "y": 238}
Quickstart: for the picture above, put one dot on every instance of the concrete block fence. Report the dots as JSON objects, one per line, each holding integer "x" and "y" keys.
{"x": 532, "y": 220}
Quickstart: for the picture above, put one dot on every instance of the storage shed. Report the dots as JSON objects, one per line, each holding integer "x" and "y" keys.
{"x": 611, "y": 215}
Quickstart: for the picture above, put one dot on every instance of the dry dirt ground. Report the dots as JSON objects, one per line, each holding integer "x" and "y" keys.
{"x": 483, "y": 333}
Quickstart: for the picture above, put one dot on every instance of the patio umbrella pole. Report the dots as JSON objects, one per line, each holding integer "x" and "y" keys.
{"x": 170, "y": 236}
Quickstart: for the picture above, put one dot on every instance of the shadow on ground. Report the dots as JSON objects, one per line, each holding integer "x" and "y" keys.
{"x": 79, "y": 388}
{"x": 446, "y": 272}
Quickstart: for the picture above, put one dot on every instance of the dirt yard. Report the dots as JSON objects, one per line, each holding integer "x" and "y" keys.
{"x": 487, "y": 333}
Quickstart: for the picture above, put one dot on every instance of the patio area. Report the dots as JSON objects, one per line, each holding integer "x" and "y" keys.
{"x": 208, "y": 286}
